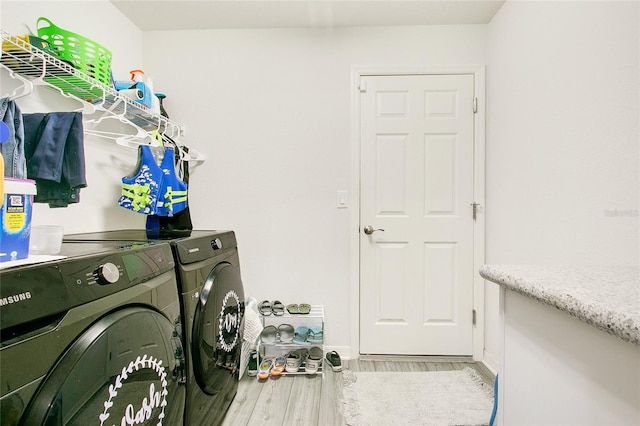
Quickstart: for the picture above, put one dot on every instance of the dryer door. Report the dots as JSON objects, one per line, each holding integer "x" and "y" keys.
{"x": 217, "y": 330}
{"x": 126, "y": 369}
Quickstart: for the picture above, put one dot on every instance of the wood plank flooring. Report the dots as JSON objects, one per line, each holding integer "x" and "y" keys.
{"x": 315, "y": 400}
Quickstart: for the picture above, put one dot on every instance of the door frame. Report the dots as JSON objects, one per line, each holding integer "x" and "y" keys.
{"x": 478, "y": 73}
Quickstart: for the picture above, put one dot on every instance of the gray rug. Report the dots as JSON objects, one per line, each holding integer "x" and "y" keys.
{"x": 436, "y": 398}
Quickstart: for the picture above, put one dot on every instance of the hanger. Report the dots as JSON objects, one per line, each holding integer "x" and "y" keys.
{"x": 184, "y": 155}
{"x": 25, "y": 90}
{"x": 125, "y": 140}
{"x": 86, "y": 108}
{"x": 143, "y": 137}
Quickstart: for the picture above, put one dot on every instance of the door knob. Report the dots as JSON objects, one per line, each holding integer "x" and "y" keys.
{"x": 369, "y": 230}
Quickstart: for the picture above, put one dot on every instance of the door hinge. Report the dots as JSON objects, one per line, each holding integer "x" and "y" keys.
{"x": 473, "y": 317}
{"x": 475, "y": 105}
{"x": 362, "y": 86}
{"x": 475, "y": 210}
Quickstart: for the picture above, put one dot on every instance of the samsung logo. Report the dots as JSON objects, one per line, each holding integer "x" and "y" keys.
{"x": 15, "y": 298}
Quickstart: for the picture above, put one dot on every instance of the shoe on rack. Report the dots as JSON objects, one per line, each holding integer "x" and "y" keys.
{"x": 315, "y": 335}
{"x": 265, "y": 369}
{"x": 277, "y": 307}
{"x": 313, "y": 361}
{"x": 252, "y": 368}
{"x": 334, "y": 360}
{"x": 301, "y": 335}
{"x": 265, "y": 307}
{"x": 278, "y": 366}
{"x": 304, "y": 308}
{"x": 295, "y": 359}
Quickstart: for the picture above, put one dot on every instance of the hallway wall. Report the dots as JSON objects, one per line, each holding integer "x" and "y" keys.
{"x": 562, "y": 138}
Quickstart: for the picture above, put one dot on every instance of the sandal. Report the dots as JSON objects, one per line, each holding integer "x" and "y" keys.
{"x": 277, "y": 308}
{"x": 304, "y": 308}
{"x": 278, "y": 366}
{"x": 315, "y": 335}
{"x": 334, "y": 360}
{"x": 293, "y": 309}
{"x": 283, "y": 334}
{"x": 313, "y": 361}
{"x": 301, "y": 335}
{"x": 295, "y": 359}
{"x": 269, "y": 335}
{"x": 265, "y": 369}
{"x": 265, "y": 307}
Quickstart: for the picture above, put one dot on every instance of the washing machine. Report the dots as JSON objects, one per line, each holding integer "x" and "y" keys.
{"x": 212, "y": 306}
{"x": 92, "y": 338}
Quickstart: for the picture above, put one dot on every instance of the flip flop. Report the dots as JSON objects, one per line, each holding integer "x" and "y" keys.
{"x": 265, "y": 307}
{"x": 278, "y": 366}
{"x": 304, "y": 308}
{"x": 265, "y": 369}
{"x": 293, "y": 309}
{"x": 315, "y": 335}
{"x": 277, "y": 308}
{"x": 301, "y": 335}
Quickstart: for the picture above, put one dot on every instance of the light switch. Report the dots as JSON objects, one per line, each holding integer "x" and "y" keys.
{"x": 342, "y": 199}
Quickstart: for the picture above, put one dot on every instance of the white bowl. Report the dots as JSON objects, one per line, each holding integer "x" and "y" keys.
{"x": 45, "y": 239}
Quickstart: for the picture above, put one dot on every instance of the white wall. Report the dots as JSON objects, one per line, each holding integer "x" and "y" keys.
{"x": 271, "y": 109}
{"x": 106, "y": 162}
{"x": 562, "y": 137}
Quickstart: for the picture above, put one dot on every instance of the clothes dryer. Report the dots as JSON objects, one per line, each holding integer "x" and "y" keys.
{"x": 212, "y": 303}
{"x": 92, "y": 338}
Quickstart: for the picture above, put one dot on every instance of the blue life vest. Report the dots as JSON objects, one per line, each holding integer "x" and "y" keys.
{"x": 154, "y": 189}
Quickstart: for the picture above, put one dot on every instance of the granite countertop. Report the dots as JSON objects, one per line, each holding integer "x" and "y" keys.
{"x": 607, "y": 297}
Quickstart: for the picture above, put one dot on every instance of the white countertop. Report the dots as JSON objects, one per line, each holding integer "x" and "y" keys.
{"x": 607, "y": 297}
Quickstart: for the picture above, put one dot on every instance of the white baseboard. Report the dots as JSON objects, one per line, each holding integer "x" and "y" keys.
{"x": 490, "y": 362}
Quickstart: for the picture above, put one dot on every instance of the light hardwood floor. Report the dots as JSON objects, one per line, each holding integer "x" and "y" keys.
{"x": 315, "y": 400}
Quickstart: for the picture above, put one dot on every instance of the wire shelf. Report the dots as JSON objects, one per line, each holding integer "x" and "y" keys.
{"x": 20, "y": 57}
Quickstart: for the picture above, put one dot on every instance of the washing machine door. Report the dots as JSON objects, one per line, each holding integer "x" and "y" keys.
{"x": 126, "y": 369}
{"x": 217, "y": 330}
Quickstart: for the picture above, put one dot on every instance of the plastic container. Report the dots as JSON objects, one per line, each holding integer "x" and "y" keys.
{"x": 15, "y": 216}
{"x": 46, "y": 239}
{"x": 85, "y": 54}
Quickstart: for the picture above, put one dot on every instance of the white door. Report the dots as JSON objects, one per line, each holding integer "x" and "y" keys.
{"x": 416, "y": 272}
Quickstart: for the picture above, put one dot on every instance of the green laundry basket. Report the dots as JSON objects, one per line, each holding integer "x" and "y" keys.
{"x": 84, "y": 54}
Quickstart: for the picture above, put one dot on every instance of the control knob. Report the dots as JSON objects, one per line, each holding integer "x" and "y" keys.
{"x": 107, "y": 274}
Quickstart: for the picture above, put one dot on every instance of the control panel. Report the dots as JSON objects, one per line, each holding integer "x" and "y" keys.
{"x": 32, "y": 292}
